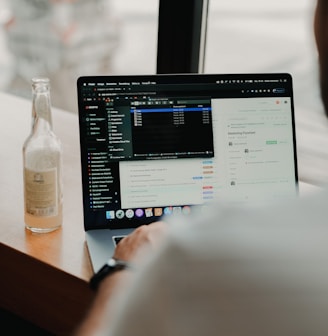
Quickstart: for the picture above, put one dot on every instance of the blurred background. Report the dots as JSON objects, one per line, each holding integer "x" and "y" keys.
{"x": 64, "y": 39}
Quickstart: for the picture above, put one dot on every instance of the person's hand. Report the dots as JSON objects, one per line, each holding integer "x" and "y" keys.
{"x": 145, "y": 238}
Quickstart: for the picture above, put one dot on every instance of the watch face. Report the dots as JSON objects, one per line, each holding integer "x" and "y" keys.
{"x": 111, "y": 262}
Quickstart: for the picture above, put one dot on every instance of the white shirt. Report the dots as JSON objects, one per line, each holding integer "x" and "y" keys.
{"x": 252, "y": 271}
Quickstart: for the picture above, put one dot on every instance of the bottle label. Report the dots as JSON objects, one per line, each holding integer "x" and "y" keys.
{"x": 41, "y": 192}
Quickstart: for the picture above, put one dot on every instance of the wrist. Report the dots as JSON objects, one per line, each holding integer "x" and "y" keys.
{"x": 112, "y": 266}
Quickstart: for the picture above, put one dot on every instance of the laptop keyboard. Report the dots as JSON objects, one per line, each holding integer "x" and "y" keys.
{"x": 117, "y": 239}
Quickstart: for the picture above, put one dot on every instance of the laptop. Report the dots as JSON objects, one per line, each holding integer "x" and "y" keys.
{"x": 161, "y": 145}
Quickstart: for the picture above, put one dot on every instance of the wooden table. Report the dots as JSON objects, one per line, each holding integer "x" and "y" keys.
{"x": 44, "y": 277}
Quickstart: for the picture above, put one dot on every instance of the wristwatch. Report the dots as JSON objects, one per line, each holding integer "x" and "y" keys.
{"x": 112, "y": 266}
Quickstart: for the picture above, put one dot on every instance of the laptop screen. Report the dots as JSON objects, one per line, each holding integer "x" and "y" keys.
{"x": 159, "y": 144}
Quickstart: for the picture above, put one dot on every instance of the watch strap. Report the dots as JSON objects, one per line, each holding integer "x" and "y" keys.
{"x": 112, "y": 266}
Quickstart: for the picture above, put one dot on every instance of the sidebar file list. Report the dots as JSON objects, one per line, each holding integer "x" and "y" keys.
{"x": 100, "y": 180}
{"x": 105, "y": 140}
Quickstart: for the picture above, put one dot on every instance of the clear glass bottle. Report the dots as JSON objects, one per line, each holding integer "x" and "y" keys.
{"x": 42, "y": 160}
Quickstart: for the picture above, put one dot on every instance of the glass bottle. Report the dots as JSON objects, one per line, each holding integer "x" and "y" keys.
{"x": 42, "y": 160}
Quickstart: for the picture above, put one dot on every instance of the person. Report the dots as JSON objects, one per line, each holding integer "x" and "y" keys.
{"x": 233, "y": 271}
